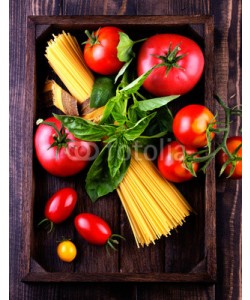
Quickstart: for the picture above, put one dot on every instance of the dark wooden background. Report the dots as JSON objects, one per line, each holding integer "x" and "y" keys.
{"x": 227, "y": 77}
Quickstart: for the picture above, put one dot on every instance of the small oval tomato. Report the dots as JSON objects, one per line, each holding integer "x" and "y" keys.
{"x": 100, "y": 51}
{"x": 171, "y": 165}
{"x": 58, "y": 151}
{"x": 95, "y": 230}
{"x": 60, "y": 205}
{"x": 190, "y": 125}
{"x": 183, "y": 64}
{"x": 66, "y": 251}
{"x": 233, "y": 143}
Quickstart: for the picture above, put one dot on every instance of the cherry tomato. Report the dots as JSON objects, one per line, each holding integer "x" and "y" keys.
{"x": 66, "y": 251}
{"x": 183, "y": 59}
{"x": 190, "y": 125}
{"x": 95, "y": 230}
{"x": 60, "y": 205}
{"x": 232, "y": 144}
{"x": 171, "y": 165}
{"x": 100, "y": 51}
{"x": 58, "y": 151}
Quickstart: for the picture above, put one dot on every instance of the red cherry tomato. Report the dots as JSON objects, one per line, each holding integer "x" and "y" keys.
{"x": 190, "y": 125}
{"x": 95, "y": 230}
{"x": 232, "y": 144}
{"x": 61, "y": 154}
{"x": 60, "y": 205}
{"x": 100, "y": 51}
{"x": 182, "y": 69}
{"x": 171, "y": 165}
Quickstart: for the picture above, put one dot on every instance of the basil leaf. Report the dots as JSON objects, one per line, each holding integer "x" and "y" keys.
{"x": 85, "y": 130}
{"x": 119, "y": 118}
{"x": 108, "y": 109}
{"x": 102, "y": 91}
{"x": 99, "y": 181}
{"x": 124, "y": 48}
{"x": 135, "y": 131}
{"x": 117, "y": 154}
{"x": 158, "y": 135}
{"x": 147, "y": 105}
{"x": 138, "y": 82}
{"x": 123, "y": 69}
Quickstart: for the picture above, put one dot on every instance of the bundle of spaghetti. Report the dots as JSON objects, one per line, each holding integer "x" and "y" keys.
{"x": 66, "y": 59}
{"x": 153, "y": 205}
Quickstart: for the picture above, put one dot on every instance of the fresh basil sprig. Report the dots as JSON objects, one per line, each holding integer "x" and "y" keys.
{"x": 124, "y": 123}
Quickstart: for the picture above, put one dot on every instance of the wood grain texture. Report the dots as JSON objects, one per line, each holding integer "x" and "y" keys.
{"x": 227, "y": 82}
{"x": 227, "y": 78}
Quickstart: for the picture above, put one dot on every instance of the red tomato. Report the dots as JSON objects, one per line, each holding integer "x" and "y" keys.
{"x": 232, "y": 144}
{"x": 95, "y": 230}
{"x": 181, "y": 72}
{"x": 61, "y": 154}
{"x": 60, "y": 205}
{"x": 190, "y": 125}
{"x": 170, "y": 162}
{"x": 100, "y": 51}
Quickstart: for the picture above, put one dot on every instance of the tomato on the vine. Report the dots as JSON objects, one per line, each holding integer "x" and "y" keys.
{"x": 171, "y": 162}
{"x": 193, "y": 124}
{"x": 58, "y": 151}
{"x": 66, "y": 251}
{"x": 183, "y": 64}
{"x": 234, "y": 165}
{"x": 95, "y": 230}
{"x": 100, "y": 50}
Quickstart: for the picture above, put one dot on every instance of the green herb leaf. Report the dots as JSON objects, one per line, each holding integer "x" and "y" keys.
{"x": 135, "y": 131}
{"x": 119, "y": 118}
{"x": 123, "y": 69}
{"x": 99, "y": 181}
{"x": 109, "y": 108}
{"x": 85, "y": 130}
{"x": 138, "y": 82}
{"x": 116, "y": 155}
{"x": 124, "y": 48}
{"x": 158, "y": 135}
{"x": 151, "y": 104}
{"x": 102, "y": 91}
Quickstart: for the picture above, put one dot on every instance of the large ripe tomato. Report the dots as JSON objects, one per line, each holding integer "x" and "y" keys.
{"x": 95, "y": 230}
{"x": 232, "y": 144}
{"x": 183, "y": 59}
{"x": 60, "y": 205}
{"x": 100, "y": 51}
{"x": 171, "y": 165}
{"x": 191, "y": 123}
{"x": 59, "y": 152}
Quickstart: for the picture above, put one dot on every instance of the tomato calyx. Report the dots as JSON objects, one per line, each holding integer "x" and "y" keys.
{"x": 92, "y": 38}
{"x": 113, "y": 240}
{"x": 60, "y": 138}
{"x": 170, "y": 60}
{"x": 231, "y": 161}
{"x": 48, "y": 225}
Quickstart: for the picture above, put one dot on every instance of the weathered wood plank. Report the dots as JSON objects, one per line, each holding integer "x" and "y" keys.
{"x": 20, "y": 149}
{"x": 99, "y": 7}
{"x": 227, "y": 78}
{"x": 172, "y": 7}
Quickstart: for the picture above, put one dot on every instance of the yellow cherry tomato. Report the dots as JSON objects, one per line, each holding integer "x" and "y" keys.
{"x": 66, "y": 251}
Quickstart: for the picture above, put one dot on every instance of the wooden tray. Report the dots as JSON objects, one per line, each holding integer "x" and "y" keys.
{"x": 188, "y": 255}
